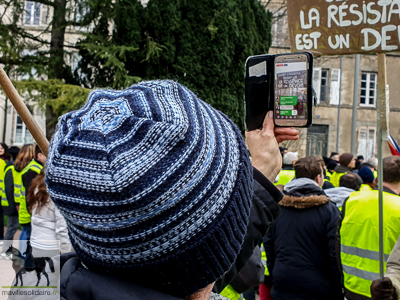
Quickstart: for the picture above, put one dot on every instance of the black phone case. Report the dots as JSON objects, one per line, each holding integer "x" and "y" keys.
{"x": 260, "y": 91}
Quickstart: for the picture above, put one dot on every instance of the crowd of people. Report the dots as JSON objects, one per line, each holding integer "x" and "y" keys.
{"x": 336, "y": 249}
{"x": 150, "y": 193}
{"x": 26, "y": 205}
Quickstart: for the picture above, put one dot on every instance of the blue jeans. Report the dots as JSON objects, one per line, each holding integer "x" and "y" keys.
{"x": 25, "y": 236}
{"x": 12, "y": 227}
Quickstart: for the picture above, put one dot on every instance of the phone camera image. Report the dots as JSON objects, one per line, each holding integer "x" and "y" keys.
{"x": 291, "y": 92}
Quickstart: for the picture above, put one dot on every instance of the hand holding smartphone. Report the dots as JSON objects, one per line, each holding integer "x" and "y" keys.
{"x": 281, "y": 83}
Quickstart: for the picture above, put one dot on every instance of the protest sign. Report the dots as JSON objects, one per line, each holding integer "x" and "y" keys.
{"x": 326, "y": 27}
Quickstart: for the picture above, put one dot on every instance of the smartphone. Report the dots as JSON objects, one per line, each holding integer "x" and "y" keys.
{"x": 292, "y": 102}
{"x": 281, "y": 83}
{"x": 258, "y": 90}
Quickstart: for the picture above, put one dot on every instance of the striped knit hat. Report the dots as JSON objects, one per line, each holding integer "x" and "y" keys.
{"x": 155, "y": 186}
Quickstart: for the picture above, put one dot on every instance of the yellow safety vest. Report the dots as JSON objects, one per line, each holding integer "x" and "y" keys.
{"x": 4, "y": 201}
{"x": 230, "y": 293}
{"x": 376, "y": 174}
{"x": 2, "y": 175}
{"x": 335, "y": 178}
{"x": 285, "y": 176}
{"x": 359, "y": 238}
{"x": 365, "y": 187}
{"x": 328, "y": 175}
{"x": 20, "y": 193}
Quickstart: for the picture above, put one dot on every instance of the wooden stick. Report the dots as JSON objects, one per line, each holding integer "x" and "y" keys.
{"x": 383, "y": 127}
{"x": 23, "y": 112}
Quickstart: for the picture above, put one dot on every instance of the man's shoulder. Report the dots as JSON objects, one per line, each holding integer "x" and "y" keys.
{"x": 76, "y": 280}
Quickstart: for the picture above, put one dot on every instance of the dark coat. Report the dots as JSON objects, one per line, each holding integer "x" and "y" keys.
{"x": 300, "y": 247}
{"x": 79, "y": 283}
{"x": 11, "y": 209}
{"x": 264, "y": 210}
{"x": 76, "y": 282}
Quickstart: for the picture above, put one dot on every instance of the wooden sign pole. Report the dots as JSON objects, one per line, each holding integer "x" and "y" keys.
{"x": 23, "y": 112}
{"x": 383, "y": 127}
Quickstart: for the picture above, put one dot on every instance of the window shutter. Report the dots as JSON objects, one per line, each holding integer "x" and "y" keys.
{"x": 334, "y": 87}
{"x": 371, "y": 144}
{"x": 317, "y": 82}
{"x": 362, "y": 142}
{"x": 44, "y": 15}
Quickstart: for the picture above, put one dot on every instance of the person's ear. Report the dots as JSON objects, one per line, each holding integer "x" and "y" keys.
{"x": 41, "y": 158}
{"x": 319, "y": 179}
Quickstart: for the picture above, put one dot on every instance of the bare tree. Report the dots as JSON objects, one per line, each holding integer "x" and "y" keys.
{"x": 277, "y": 7}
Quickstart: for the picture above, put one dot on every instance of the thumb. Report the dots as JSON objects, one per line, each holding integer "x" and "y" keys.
{"x": 268, "y": 125}
{"x": 387, "y": 283}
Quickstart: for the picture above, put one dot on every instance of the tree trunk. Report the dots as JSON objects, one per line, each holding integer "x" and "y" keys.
{"x": 56, "y": 66}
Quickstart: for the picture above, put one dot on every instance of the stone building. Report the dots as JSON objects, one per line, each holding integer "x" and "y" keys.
{"x": 35, "y": 20}
{"x": 321, "y": 138}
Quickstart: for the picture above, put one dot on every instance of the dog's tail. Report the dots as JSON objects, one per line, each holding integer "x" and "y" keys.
{"x": 51, "y": 264}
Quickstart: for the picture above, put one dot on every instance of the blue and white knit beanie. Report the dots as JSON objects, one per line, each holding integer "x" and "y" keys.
{"x": 155, "y": 186}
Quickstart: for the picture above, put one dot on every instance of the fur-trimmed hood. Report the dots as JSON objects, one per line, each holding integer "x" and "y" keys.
{"x": 303, "y": 193}
{"x": 304, "y": 202}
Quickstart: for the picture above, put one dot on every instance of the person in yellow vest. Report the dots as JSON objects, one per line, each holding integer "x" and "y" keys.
{"x": 347, "y": 164}
{"x": 373, "y": 161}
{"x": 7, "y": 201}
{"x": 389, "y": 287}
{"x": 4, "y": 157}
{"x": 330, "y": 168}
{"x": 287, "y": 172}
{"x": 321, "y": 160}
{"x": 359, "y": 235}
{"x": 369, "y": 182}
{"x": 27, "y": 166}
{"x": 349, "y": 183}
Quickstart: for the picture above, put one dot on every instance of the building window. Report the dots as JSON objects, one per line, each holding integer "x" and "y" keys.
{"x": 32, "y": 13}
{"x": 324, "y": 85}
{"x": 366, "y": 142}
{"x": 22, "y": 134}
{"x": 368, "y": 89}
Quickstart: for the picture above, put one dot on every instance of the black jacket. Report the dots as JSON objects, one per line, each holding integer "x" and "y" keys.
{"x": 300, "y": 246}
{"x": 264, "y": 210}
{"x": 78, "y": 283}
{"x": 11, "y": 209}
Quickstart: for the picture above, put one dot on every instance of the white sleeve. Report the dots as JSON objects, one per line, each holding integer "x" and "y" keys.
{"x": 62, "y": 232}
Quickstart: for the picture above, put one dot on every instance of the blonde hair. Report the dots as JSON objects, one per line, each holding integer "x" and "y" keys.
{"x": 24, "y": 157}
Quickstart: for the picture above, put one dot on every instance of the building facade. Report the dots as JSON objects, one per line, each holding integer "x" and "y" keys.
{"x": 36, "y": 21}
{"x": 321, "y": 138}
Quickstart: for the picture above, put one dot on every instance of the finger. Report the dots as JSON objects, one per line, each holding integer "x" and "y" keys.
{"x": 286, "y": 131}
{"x": 282, "y": 138}
{"x": 268, "y": 125}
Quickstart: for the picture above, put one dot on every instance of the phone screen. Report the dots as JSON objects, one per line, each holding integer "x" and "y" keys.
{"x": 291, "y": 91}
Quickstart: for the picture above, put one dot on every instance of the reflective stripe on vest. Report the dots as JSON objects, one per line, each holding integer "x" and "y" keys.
{"x": 24, "y": 216}
{"x": 230, "y": 293}
{"x": 2, "y": 174}
{"x": 264, "y": 259}
{"x": 335, "y": 178}
{"x": 285, "y": 176}
{"x": 359, "y": 238}
{"x": 4, "y": 201}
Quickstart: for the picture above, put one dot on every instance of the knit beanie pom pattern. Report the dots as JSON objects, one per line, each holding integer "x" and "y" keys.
{"x": 155, "y": 186}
